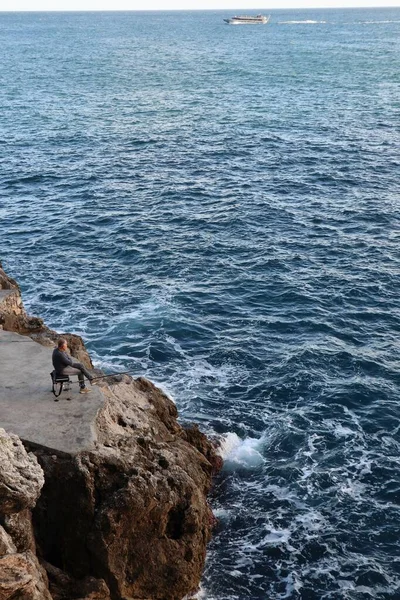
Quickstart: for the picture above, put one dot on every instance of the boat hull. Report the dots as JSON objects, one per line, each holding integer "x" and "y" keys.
{"x": 260, "y": 20}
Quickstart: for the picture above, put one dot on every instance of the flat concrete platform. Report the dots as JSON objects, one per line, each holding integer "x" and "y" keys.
{"x": 27, "y": 406}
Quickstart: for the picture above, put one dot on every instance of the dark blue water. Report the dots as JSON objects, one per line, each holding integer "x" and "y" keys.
{"x": 217, "y": 208}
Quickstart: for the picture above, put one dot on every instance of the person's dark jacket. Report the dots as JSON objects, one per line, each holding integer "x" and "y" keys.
{"x": 63, "y": 359}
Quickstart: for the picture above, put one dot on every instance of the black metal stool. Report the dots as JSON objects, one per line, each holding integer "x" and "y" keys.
{"x": 58, "y": 382}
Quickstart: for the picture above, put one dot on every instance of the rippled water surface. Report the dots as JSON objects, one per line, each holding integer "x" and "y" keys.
{"x": 217, "y": 208}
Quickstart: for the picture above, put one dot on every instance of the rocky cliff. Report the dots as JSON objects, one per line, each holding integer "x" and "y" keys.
{"x": 13, "y": 317}
{"x": 126, "y": 518}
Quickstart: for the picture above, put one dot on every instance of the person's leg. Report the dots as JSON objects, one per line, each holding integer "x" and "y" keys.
{"x": 81, "y": 379}
{"x": 84, "y": 372}
{"x": 75, "y": 371}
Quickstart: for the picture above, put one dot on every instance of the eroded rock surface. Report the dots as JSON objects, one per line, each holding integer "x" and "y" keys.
{"x": 7, "y": 545}
{"x": 12, "y": 313}
{"x": 22, "y": 578}
{"x": 13, "y": 317}
{"x": 126, "y": 519}
{"x": 21, "y": 481}
{"x": 21, "y": 477}
{"x": 133, "y": 511}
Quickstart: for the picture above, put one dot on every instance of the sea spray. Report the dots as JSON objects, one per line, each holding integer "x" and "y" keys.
{"x": 245, "y": 453}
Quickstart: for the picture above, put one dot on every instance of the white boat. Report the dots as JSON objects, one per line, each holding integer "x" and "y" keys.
{"x": 248, "y": 20}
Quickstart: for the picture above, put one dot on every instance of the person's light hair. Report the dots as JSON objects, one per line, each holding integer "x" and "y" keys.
{"x": 61, "y": 343}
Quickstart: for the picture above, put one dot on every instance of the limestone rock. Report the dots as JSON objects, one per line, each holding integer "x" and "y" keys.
{"x": 21, "y": 477}
{"x": 6, "y": 282}
{"x": 65, "y": 587}
{"x": 200, "y": 441}
{"x": 13, "y": 317}
{"x": 7, "y": 546}
{"x": 12, "y": 313}
{"x": 22, "y": 578}
{"x": 132, "y": 512}
{"x": 19, "y": 527}
{"x": 128, "y": 519}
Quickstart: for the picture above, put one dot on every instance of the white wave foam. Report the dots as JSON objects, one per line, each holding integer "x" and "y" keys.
{"x": 244, "y": 453}
{"x": 345, "y": 584}
{"x": 276, "y": 537}
{"x": 153, "y": 307}
{"x": 342, "y": 431}
{"x": 201, "y": 370}
{"x": 293, "y": 585}
{"x": 311, "y": 521}
{"x": 222, "y": 514}
{"x": 354, "y": 489}
{"x": 173, "y": 342}
{"x": 194, "y": 379}
{"x": 201, "y": 594}
{"x": 281, "y": 492}
{"x": 108, "y": 363}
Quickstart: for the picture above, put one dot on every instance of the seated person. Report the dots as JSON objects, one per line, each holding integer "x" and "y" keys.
{"x": 64, "y": 365}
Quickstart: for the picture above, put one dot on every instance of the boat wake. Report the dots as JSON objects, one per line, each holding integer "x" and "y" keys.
{"x": 306, "y": 22}
{"x": 379, "y": 22}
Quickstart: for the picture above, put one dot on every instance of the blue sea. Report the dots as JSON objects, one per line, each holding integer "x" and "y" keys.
{"x": 217, "y": 208}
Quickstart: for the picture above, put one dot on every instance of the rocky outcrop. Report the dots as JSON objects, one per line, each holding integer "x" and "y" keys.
{"x": 21, "y": 480}
{"x": 22, "y": 578}
{"x": 125, "y": 519}
{"x": 133, "y": 512}
{"x": 13, "y": 317}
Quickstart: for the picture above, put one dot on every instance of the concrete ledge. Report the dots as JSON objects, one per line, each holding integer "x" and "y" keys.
{"x": 27, "y": 406}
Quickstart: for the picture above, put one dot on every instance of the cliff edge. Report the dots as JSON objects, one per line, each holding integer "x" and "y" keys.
{"x": 105, "y": 498}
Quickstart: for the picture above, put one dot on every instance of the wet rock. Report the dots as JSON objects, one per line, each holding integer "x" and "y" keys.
{"x": 200, "y": 441}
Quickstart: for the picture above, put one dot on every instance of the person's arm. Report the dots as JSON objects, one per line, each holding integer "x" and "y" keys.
{"x": 65, "y": 359}
{"x": 76, "y": 365}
